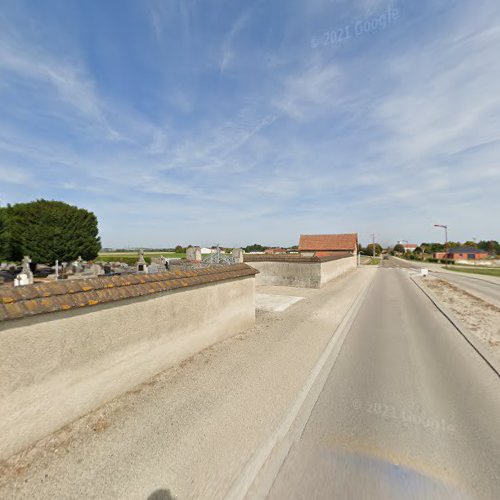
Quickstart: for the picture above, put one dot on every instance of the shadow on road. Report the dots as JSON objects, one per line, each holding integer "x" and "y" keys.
{"x": 161, "y": 495}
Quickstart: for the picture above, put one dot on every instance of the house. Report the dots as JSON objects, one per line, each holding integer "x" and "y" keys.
{"x": 275, "y": 250}
{"x": 466, "y": 253}
{"x": 325, "y": 245}
{"x": 439, "y": 255}
{"x": 410, "y": 247}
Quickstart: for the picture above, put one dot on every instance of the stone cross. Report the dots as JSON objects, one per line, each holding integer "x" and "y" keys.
{"x": 26, "y": 264}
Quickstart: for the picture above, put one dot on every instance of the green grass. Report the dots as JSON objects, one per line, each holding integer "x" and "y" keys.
{"x": 374, "y": 261}
{"x": 476, "y": 270}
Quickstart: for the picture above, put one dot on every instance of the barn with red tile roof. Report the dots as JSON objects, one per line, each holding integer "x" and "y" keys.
{"x": 323, "y": 245}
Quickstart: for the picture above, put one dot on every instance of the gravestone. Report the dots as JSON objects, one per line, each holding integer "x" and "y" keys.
{"x": 154, "y": 268}
{"x": 25, "y": 277}
{"x": 238, "y": 255}
{"x": 141, "y": 266}
{"x": 193, "y": 253}
{"x": 78, "y": 265}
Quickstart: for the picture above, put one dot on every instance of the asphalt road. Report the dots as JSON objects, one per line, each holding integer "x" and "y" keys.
{"x": 391, "y": 262}
{"x": 486, "y": 288}
{"x": 409, "y": 410}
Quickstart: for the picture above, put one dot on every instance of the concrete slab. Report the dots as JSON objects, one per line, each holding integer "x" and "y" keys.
{"x": 274, "y": 303}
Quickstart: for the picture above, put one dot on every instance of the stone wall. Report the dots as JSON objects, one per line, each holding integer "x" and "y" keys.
{"x": 63, "y": 354}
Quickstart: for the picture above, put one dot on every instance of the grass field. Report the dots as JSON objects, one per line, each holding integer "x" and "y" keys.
{"x": 476, "y": 270}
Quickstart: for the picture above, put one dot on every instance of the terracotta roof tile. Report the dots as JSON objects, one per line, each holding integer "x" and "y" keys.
{"x": 31, "y": 300}
{"x": 325, "y": 242}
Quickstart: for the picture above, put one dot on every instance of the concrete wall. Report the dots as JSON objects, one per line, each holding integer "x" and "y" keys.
{"x": 56, "y": 367}
{"x": 301, "y": 274}
{"x": 334, "y": 268}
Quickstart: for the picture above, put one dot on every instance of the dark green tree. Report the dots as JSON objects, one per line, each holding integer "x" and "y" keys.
{"x": 432, "y": 247}
{"x": 255, "y": 248}
{"x": 399, "y": 248}
{"x": 179, "y": 249}
{"x": 51, "y": 230}
{"x": 3, "y": 234}
{"x": 491, "y": 246}
{"x": 369, "y": 249}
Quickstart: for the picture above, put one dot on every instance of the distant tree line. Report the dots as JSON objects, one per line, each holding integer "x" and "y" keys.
{"x": 255, "y": 248}
{"x": 490, "y": 246}
{"x": 48, "y": 231}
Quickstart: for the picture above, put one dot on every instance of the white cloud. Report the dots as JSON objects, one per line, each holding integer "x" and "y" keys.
{"x": 227, "y": 45}
{"x": 309, "y": 93}
{"x": 14, "y": 175}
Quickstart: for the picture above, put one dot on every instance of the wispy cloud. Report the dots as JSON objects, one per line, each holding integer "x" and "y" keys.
{"x": 226, "y": 118}
{"x": 236, "y": 28}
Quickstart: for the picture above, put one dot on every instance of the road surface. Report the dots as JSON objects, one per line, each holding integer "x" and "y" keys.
{"x": 485, "y": 287}
{"x": 486, "y": 290}
{"x": 409, "y": 410}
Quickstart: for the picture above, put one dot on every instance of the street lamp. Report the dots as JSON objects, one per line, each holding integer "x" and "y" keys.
{"x": 445, "y": 227}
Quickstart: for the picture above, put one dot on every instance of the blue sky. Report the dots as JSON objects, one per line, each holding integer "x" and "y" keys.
{"x": 233, "y": 122}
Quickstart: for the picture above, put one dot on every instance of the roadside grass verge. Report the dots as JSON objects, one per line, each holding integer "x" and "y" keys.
{"x": 477, "y": 270}
{"x": 374, "y": 261}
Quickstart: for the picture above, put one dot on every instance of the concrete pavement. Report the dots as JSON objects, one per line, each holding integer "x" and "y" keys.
{"x": 408, "y": 411}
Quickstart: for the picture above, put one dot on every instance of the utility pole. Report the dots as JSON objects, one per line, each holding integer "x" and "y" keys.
{"x": 445, "y": 227}
{"x": 373, "y": 244}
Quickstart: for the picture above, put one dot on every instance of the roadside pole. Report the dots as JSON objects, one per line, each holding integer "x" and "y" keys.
{"x": 445, "y": 227}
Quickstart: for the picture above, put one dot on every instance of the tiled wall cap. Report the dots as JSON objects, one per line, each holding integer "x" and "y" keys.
{"x": 31, "y": 300}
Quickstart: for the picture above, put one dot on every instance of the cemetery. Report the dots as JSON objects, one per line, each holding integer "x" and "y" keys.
{"x": 70, "y": 345}
{"x": 77, "y": 332}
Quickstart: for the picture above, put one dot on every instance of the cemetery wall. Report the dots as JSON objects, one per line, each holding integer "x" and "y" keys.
{"x": 66, "y": 348}
{"x": 296, "y": 270}
{"x": 332, "y": 269}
